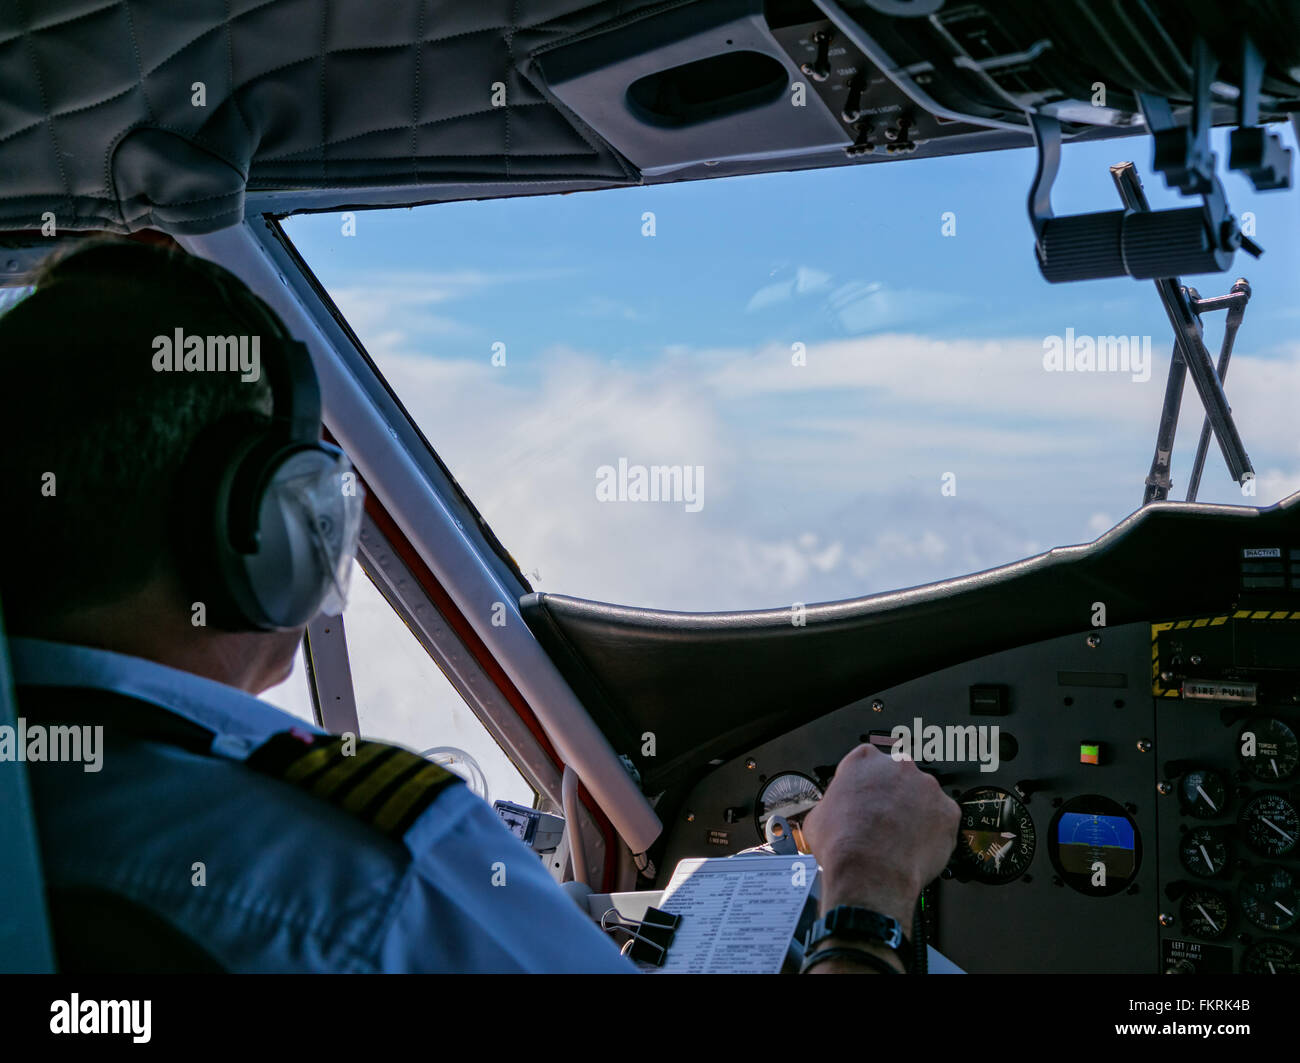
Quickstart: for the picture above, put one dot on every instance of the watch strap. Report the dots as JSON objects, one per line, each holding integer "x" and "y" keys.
{"x": 848, "y": 923}
{"x": 858, "y": 956}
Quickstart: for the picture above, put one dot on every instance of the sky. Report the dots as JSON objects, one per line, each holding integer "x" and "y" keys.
{"x": 921, "y": 438}
{"x": 861, "y": 401}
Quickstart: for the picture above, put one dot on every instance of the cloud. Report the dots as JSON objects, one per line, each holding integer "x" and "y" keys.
{"x": 394, "y": 310}
{"x": 822, "y": 481}
{"x": 1100, "y": 523}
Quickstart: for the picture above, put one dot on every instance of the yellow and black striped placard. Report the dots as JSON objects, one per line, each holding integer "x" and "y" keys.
{"x": 386, "y": 786}
{"x": 1157, "y": 687}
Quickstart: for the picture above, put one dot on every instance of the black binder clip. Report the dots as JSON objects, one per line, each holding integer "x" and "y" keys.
{"x": 649, "y": 939}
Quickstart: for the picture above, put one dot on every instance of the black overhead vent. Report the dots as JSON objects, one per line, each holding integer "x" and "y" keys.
{"x": 707, "y": 88}
{"x": 676, "y": 86}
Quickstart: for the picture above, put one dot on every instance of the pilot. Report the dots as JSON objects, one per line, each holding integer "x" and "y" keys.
{"x": 158, "y": 422}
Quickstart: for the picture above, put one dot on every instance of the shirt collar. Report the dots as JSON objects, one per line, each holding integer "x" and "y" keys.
{"x": 239, "y": 720}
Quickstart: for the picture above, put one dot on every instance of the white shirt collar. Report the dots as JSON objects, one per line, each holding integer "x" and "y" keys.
{"x": 240, "y": 721}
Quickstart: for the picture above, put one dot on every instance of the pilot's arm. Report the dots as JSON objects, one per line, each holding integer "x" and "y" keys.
{"x": 477, "y": 890}
{"x": 884, "y": 829}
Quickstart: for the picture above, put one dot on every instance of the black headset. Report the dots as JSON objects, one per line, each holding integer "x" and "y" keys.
{"x": 254, "y": 562}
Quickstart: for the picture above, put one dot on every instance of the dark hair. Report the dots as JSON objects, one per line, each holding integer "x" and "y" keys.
{"x": 81, "y": 402}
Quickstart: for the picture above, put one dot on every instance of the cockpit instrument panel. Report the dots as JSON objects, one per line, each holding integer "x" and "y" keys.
{"x": 1130, "y": 798}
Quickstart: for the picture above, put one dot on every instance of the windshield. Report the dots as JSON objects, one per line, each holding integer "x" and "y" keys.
{"x": 799, "y": 387}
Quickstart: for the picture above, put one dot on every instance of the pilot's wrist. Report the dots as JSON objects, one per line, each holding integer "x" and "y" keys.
{"x": 841, "y": 886}
{"x": 846, "y": 964}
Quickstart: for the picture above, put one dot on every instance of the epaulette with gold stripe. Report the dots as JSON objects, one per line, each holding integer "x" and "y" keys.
{"x": 386, "y": 786}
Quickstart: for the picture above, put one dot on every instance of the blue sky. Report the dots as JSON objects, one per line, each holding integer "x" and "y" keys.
{"x": 923, "y": 358}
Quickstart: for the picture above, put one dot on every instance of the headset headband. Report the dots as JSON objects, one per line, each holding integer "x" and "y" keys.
{"x": 295, "y": 391}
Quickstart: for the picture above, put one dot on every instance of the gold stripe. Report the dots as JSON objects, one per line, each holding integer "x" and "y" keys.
{"x": 1280, "y": 616}
{"x": 1218, "y": 620}
{"x": 1259, "y": 614}
{"x": 340, "y": 773}
{"x": 305, "y": 765}
{"x": 1241, "y": 614}
{"x": 407, "y": 794}
{"x": 1202, "y": 622}
{"x": 1182, "y": 624}
{"x": 383, "y": 775}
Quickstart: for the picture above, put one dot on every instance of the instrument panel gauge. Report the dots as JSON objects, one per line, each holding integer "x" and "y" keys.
{"x": 1271, "y": 956}
{"x": 790, "y": 795}
{"x": 1204, "y": 851}
{"x": 996, "y": 840}
{"x": 1204, "y": 793}
{"x": 1270, "y": 898}
{"x": 1205, "y": 913}
{"x": 1094, "y": 845}
{"x": 1268, "y": 749}
{"x": 1271, "y": 824}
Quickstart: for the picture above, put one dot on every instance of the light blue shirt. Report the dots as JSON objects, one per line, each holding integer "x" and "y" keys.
{"x": 291, "y": 883}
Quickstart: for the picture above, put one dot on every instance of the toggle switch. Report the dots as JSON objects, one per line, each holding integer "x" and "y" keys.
{"x": 820, "y": 68}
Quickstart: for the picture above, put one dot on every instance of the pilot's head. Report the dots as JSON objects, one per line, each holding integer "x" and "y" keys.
{"x": 167, "y": 495}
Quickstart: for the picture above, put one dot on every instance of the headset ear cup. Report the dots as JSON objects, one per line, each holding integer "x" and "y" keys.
{"x": 288, "y": 577}
{"x": 247, "y": 552}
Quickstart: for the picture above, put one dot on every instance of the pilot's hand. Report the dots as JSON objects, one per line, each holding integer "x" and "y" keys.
{"x": 883, "y": 830}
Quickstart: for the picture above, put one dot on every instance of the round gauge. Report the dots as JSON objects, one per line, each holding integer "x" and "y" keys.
{"x": 1205, "y": 913}
{"x": 995, "y": 841}
{"x": 1269, "y": 750}
{"x": 1270, "y": 898}
{"x": 1204, "y": 793}
{"x": 1271, "y": 956}
{"x": 1271, "y": 824}
{"x": 1095, "y": 845}
{"x": 1204, "y": 851}
{"x": 790, "y": 795}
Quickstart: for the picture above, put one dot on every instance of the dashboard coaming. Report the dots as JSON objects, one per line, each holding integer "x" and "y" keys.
{"x": 1061, "y": 699}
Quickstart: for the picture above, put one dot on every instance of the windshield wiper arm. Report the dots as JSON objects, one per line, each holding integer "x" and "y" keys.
{"x": 1190, "y": 355}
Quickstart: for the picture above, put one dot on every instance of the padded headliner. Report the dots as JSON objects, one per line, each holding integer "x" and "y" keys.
{"x": 714, "y": 684}
{"x": 97, "y": 122}
{"x": 334, "y": 104}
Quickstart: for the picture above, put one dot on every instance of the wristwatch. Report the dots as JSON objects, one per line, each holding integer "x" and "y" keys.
{"x": 848, "y": 923}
